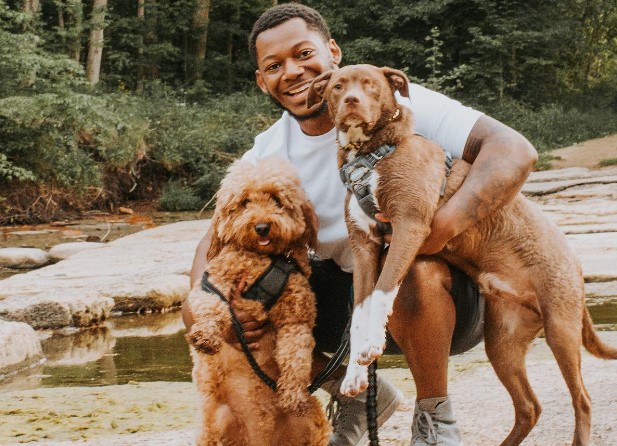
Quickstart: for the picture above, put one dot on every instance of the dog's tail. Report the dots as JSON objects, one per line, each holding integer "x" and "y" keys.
{"x": 593, "y": 343}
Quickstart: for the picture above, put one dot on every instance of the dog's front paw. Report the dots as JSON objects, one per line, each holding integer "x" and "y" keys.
{"x": 296, "y": 401}
{"x": 356, "y": 380}
{"x": 204, "y": 340}
{"x": 370, "y": 352}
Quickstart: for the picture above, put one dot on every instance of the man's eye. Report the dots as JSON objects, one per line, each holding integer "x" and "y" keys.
{"x": 306, "y": 53}
{"x": 272, "y": 67}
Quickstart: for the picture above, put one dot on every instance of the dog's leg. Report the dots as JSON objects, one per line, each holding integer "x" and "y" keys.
{"x": 563, "y": 330}
{"x": 293, "y": 355}
{"x": 210, "y": 314}
{"x": 366, "y": 261}
{"x": 509, "y": 330}
{"x": 407, "y": 238}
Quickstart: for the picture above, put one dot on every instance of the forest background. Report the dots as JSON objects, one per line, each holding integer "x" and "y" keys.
{"x": 104, "y": 102}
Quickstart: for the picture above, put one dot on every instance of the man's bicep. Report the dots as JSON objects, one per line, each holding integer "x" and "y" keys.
{"x": 199, "y": 260}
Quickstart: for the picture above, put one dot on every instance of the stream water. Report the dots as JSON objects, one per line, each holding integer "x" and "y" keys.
{"x": 148, "y": 347}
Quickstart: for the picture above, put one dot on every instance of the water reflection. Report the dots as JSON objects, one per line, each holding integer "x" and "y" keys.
{"x": 150, "y": 347}
{"x": 147, "y": 347}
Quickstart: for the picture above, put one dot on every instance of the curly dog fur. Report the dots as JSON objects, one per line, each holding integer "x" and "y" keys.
{"x": 237, "y": 408}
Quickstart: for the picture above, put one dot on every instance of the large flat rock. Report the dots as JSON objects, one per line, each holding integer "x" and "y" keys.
{"x": 19, "y": 346}
{"x": 144, "y": 271}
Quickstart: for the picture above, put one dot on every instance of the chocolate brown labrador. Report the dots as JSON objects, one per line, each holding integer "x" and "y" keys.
{"x": 530, "y": 277}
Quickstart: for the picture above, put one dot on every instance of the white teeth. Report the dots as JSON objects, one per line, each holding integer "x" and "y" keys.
{"x": 298, "y": 90}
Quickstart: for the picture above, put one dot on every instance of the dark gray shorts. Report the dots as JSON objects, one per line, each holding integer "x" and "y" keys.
{"x": 333, "y": 289}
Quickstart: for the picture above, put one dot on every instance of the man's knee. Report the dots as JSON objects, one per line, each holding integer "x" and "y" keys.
{"x": 427, "y": 283}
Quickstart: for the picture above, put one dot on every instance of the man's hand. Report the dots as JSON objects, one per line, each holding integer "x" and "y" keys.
{"x": 253, "y": 329}
{"x": 441, "y": 232}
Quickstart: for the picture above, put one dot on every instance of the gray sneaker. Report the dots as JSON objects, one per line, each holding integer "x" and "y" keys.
{"x": 434, "y": 424}
{"x": 349, "y": 420}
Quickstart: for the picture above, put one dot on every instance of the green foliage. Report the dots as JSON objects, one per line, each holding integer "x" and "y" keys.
{"x": 178, "y": 197}
{"x": 608, "y": 162}
{"x": 150, "y": 128}
{"x": 554, "y": 125}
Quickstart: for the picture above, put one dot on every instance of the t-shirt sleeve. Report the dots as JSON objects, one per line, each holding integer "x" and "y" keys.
{"x": 440, "y": 118}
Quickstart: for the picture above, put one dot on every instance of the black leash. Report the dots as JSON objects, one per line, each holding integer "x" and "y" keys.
{"x": 334, "y": 362}
{"x": 206, "y": 285}
{"x": 371, "y": 405}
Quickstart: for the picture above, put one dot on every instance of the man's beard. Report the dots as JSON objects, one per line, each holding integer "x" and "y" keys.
{"x": 319, "y": 111}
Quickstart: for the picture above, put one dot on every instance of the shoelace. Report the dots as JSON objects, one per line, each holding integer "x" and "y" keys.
{"x": 423, "y": 424}
{"x": 333, "y": 410}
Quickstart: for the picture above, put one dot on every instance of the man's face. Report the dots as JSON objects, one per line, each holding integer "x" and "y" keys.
{"x": 289, "y": 57}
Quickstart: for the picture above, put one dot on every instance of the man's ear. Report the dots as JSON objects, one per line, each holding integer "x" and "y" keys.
{"x": 336, "y": 52}
{"x": 260, "y": 82}
{"x": 318, "y": 88}
{"x": 398, "y": 80}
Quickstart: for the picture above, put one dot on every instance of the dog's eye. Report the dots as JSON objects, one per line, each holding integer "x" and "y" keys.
{"x": 277, "y": 201}
{"x": 245, "y": 202}
{"x": 337, "y": 87}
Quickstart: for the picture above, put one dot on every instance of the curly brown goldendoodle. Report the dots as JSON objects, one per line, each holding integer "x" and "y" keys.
{"x": 261, "y": 211}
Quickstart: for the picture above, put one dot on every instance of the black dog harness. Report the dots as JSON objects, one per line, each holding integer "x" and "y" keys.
{"x": 267, "y": 289}
{"x": 356, "y": 176}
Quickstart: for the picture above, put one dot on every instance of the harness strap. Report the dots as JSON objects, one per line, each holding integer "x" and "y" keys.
{"x": 449, "y": 163}
{"x": 356, "y": 176}
{"x": 270, "y": 285}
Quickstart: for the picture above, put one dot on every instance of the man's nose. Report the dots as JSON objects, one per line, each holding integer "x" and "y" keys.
{"x": 293, "y": 69}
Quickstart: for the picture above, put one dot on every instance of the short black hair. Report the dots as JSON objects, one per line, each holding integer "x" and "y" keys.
{"x": 278, "y": 14}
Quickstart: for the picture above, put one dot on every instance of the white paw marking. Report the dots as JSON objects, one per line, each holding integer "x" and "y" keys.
{"x": 381, "y": 308}
{"x": 356, "y": 380}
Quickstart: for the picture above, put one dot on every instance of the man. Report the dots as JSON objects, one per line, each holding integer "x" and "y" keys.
{"x": 291, "y": 45}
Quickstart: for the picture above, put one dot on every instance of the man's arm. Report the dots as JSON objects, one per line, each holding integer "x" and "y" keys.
{"x": 501, "y": 159}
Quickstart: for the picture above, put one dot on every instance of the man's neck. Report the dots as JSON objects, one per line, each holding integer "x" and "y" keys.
{"x": 316, "y": 126}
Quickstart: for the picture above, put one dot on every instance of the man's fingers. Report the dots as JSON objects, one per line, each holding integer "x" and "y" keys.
{"x": 381, "y": 218}
{"x": 236, "y": 292}
{"x": 252, "y": 347}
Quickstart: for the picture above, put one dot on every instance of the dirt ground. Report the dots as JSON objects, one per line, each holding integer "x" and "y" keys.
{"x": 586, "y": 154}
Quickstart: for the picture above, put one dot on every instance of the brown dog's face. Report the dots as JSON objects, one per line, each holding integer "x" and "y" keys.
{"x": 359, "y": 97}
{"x": 263, "y": 208}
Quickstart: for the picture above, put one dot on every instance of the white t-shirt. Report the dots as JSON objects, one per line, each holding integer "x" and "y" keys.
{"x": 435, "y": 116}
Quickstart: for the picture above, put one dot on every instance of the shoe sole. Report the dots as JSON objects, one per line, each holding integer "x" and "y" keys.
{"x": 385, "y": 415}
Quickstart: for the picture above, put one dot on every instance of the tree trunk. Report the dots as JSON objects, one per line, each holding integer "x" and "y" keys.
{"x": 95, "y": 48}
{"x": 141, "y": 15}
{"x": 31, "y": 9}
{"x": 74, "y": 12}
{"x": 201, "y": 17}
{"x": 30, "y": 6}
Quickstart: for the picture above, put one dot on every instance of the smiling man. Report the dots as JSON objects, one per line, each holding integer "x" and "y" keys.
{"x": 291, "y": 45}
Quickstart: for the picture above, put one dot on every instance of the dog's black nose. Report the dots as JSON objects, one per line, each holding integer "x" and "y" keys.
{"x": 262, "y": 229}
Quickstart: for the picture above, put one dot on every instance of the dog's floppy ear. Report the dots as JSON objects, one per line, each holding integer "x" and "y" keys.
{"x": 312, "y": 224}
{"x": 398, "y": 80}
{"x": 318, "y": 88}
